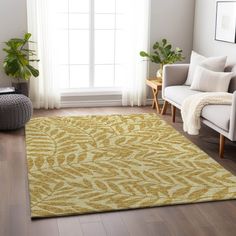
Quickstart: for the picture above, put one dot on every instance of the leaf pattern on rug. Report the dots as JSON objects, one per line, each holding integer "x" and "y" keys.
{"x": 87, "y": 164}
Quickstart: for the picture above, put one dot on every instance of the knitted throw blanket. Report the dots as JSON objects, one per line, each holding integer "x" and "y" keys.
{"x": 192, "y": 108}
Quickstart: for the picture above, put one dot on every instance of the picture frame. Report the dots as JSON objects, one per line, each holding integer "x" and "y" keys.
{"x": 225, "y": 26}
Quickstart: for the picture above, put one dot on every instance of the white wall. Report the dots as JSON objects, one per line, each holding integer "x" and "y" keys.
{"x": 173, "y": 20}
{"x": 204, "y": 32}
{"x": 13, "y": 23}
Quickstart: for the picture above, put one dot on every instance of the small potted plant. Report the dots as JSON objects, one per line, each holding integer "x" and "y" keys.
{"x": 163, "y": 54}
{"x": 17, "y": 63}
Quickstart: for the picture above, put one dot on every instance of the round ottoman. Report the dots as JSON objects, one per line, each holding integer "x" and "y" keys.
{"x": 15, "y": 111}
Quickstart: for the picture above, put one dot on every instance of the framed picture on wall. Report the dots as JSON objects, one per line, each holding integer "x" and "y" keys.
{"x": 225, "y": 29}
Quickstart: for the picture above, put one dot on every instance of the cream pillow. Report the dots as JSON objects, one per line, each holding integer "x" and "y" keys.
{"x": 211, "y": 63}
{"x": 210, "y": 81}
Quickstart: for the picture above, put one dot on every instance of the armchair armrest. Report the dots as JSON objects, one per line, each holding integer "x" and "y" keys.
{"x": 174, "y": 74}
{"x": 232, "y": 128}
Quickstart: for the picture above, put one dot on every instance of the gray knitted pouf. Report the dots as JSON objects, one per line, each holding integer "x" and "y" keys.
{"x": 15, "y": 111}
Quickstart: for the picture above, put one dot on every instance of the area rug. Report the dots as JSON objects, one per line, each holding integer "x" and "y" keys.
{"x": 88, "y": 164}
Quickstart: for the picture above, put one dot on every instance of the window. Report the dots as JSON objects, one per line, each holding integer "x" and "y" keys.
{"x": 90, "y": 43}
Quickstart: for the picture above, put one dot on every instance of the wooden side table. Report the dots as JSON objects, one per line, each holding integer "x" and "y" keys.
{"x": 156, "y": 85}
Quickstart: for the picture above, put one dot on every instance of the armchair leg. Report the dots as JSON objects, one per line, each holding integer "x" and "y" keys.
{"x": 173, "y": 112}
{"x": 222, "y": 146}
{"x": 164, "y": 108}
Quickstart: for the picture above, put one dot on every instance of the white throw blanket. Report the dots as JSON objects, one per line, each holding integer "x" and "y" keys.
{"x": 192, "y": 108}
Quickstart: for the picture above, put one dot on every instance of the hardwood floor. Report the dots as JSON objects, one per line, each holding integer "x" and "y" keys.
{"x": 205, "y": 219}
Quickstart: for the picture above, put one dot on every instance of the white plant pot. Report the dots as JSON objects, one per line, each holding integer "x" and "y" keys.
{"x": 159, "y": 73}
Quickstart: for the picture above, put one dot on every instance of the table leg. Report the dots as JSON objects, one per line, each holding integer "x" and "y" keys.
{"x": 155, "y": 103}
{"x": 164, "y": 108}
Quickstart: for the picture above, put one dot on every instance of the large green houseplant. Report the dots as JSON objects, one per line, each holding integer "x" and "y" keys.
{"x": 163, "y": 54}
{"x": 17, "y": 62}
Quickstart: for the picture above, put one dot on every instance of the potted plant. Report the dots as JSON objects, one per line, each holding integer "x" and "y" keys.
{"x": 163, "y": 54}
{"x": 17, "y": 62}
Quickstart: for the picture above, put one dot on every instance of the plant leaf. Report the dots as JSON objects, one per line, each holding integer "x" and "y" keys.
{"x": 143, "y": 54}
{"x": 16, "y": 62}
{"x": 33, "y": 71}
{"x": 27, "y": 36}
{"x": 164, "y": 41}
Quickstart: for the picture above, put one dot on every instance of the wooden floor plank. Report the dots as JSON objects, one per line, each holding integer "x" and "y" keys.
{"x": 69, "y": 226}
{"x": 4, "y": 199}
{"x": 3, "y": 150}
{"x": 135, "y": 222}
{"x": 221, "y": 216}
{"x": 45, "y": 227}
{"x": 19, "y": 222}
{"x": 91, "y": 218}
{"x": 158, "y": 229}
{"x": 196, "y": 215}
{"x": 177, "y": 222}
{"x": 93, "y": 228}
{"x": 114, "y": 225}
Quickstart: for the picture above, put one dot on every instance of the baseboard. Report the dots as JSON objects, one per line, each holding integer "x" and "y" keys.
{"x": 101, "y": 103}
{"x": 97, "y": 103}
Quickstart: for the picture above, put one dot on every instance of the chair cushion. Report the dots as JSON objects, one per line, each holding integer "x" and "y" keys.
{"x": 178, "y": 93}
{"x": 219, "y": 115}
{"x": 210, "y": 81}
{"x": 211, "y": 63}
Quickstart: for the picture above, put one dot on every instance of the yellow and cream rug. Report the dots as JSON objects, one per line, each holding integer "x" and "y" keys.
{"x": 79, "y": 165}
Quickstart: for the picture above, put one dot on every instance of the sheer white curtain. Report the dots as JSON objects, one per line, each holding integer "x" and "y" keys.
{"x": 137, "y": 34}
{"x": 44, "y": 90}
